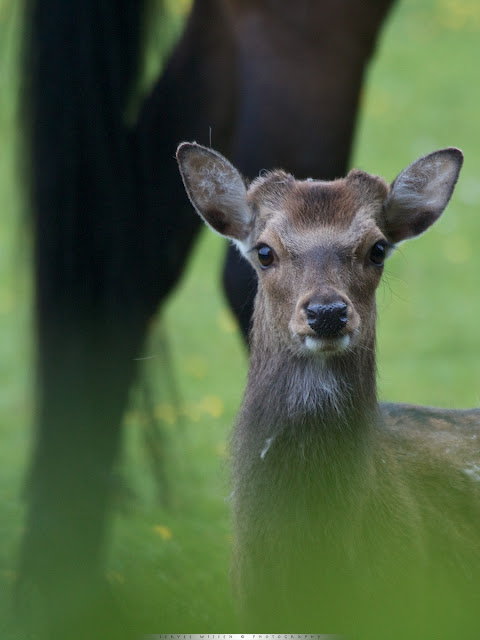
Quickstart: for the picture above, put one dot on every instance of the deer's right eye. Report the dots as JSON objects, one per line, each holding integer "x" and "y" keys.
{"x": 265, "y": 255}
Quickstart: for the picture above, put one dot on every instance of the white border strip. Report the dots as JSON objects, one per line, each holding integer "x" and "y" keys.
{"x": 242, "y": 636}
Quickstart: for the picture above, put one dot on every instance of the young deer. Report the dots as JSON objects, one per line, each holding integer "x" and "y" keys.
{"x": 349, "y": 515}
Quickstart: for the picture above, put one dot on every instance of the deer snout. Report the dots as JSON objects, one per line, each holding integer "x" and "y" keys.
{"x": 327, "y": 320}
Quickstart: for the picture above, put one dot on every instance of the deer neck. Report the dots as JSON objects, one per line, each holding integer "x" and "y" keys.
{"x": 317, "y": 416}
{"x": 291, "y": 388}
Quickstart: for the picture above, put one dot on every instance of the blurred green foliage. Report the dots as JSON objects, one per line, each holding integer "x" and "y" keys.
{"x": 169, "y": 564}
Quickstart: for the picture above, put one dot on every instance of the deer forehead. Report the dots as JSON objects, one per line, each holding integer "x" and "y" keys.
{"x": 301, "y": 215}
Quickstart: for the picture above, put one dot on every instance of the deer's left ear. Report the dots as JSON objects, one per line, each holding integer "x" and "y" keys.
{"x": 420, "y": 193}
{"x": 216, "y": 190}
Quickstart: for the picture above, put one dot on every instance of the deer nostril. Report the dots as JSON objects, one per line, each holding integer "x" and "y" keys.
{"x": 327, "y": 320}
{"x": 312, "y": 312}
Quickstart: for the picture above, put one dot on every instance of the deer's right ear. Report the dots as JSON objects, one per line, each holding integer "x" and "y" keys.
{"x": 216, "y": 190}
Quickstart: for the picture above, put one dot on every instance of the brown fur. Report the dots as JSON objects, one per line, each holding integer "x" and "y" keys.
{"x": 349, "y": 516}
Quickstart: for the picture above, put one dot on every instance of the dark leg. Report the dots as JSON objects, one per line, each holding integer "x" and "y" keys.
{"x": 300, "y": 71}
{"x": 240, "y": 286}
{"x": 112, "y": 233}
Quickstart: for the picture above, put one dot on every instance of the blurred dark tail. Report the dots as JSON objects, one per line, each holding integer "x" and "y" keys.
{"x": 80, "y": 61}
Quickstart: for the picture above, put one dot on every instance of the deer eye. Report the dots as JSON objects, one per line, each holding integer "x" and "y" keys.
{"x": 265, "y": 255}
{"x": 378, "y": 253}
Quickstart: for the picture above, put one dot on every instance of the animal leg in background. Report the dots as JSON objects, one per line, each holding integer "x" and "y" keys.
{"x": 300, "y": 71}
{"x": 109, "y": 247}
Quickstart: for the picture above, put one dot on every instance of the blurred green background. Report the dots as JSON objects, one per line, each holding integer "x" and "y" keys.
{"x": 168, "y": 563}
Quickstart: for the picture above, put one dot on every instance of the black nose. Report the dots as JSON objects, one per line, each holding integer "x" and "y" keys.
{"x": 327, "y": 320}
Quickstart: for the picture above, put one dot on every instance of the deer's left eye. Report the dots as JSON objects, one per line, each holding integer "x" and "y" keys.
{"x": 265, "y": 255}
{"x": 378, "y": 253}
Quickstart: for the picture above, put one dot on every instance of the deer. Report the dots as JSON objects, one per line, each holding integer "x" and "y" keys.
{"x": 350, "y": 516}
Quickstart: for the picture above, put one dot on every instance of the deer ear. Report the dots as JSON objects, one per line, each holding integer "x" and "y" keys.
{"x": 420, "y": 193}
{"x": 216, "y": 190}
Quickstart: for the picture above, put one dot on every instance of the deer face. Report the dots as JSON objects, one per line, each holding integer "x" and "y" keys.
{"x": 319, "y": 250}
{"x": 318, "y": 247}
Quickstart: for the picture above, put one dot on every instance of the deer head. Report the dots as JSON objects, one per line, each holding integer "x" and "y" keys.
{"x": 318, "y": 247}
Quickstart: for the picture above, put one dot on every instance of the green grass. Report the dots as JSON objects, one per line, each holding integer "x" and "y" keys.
{"x": 170, "y": 564}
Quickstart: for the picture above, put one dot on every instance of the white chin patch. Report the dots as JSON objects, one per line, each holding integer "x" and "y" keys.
{"x": 327, "y": 346}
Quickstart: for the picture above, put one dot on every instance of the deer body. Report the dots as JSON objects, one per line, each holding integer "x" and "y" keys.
{"x": 349, "y": 516}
